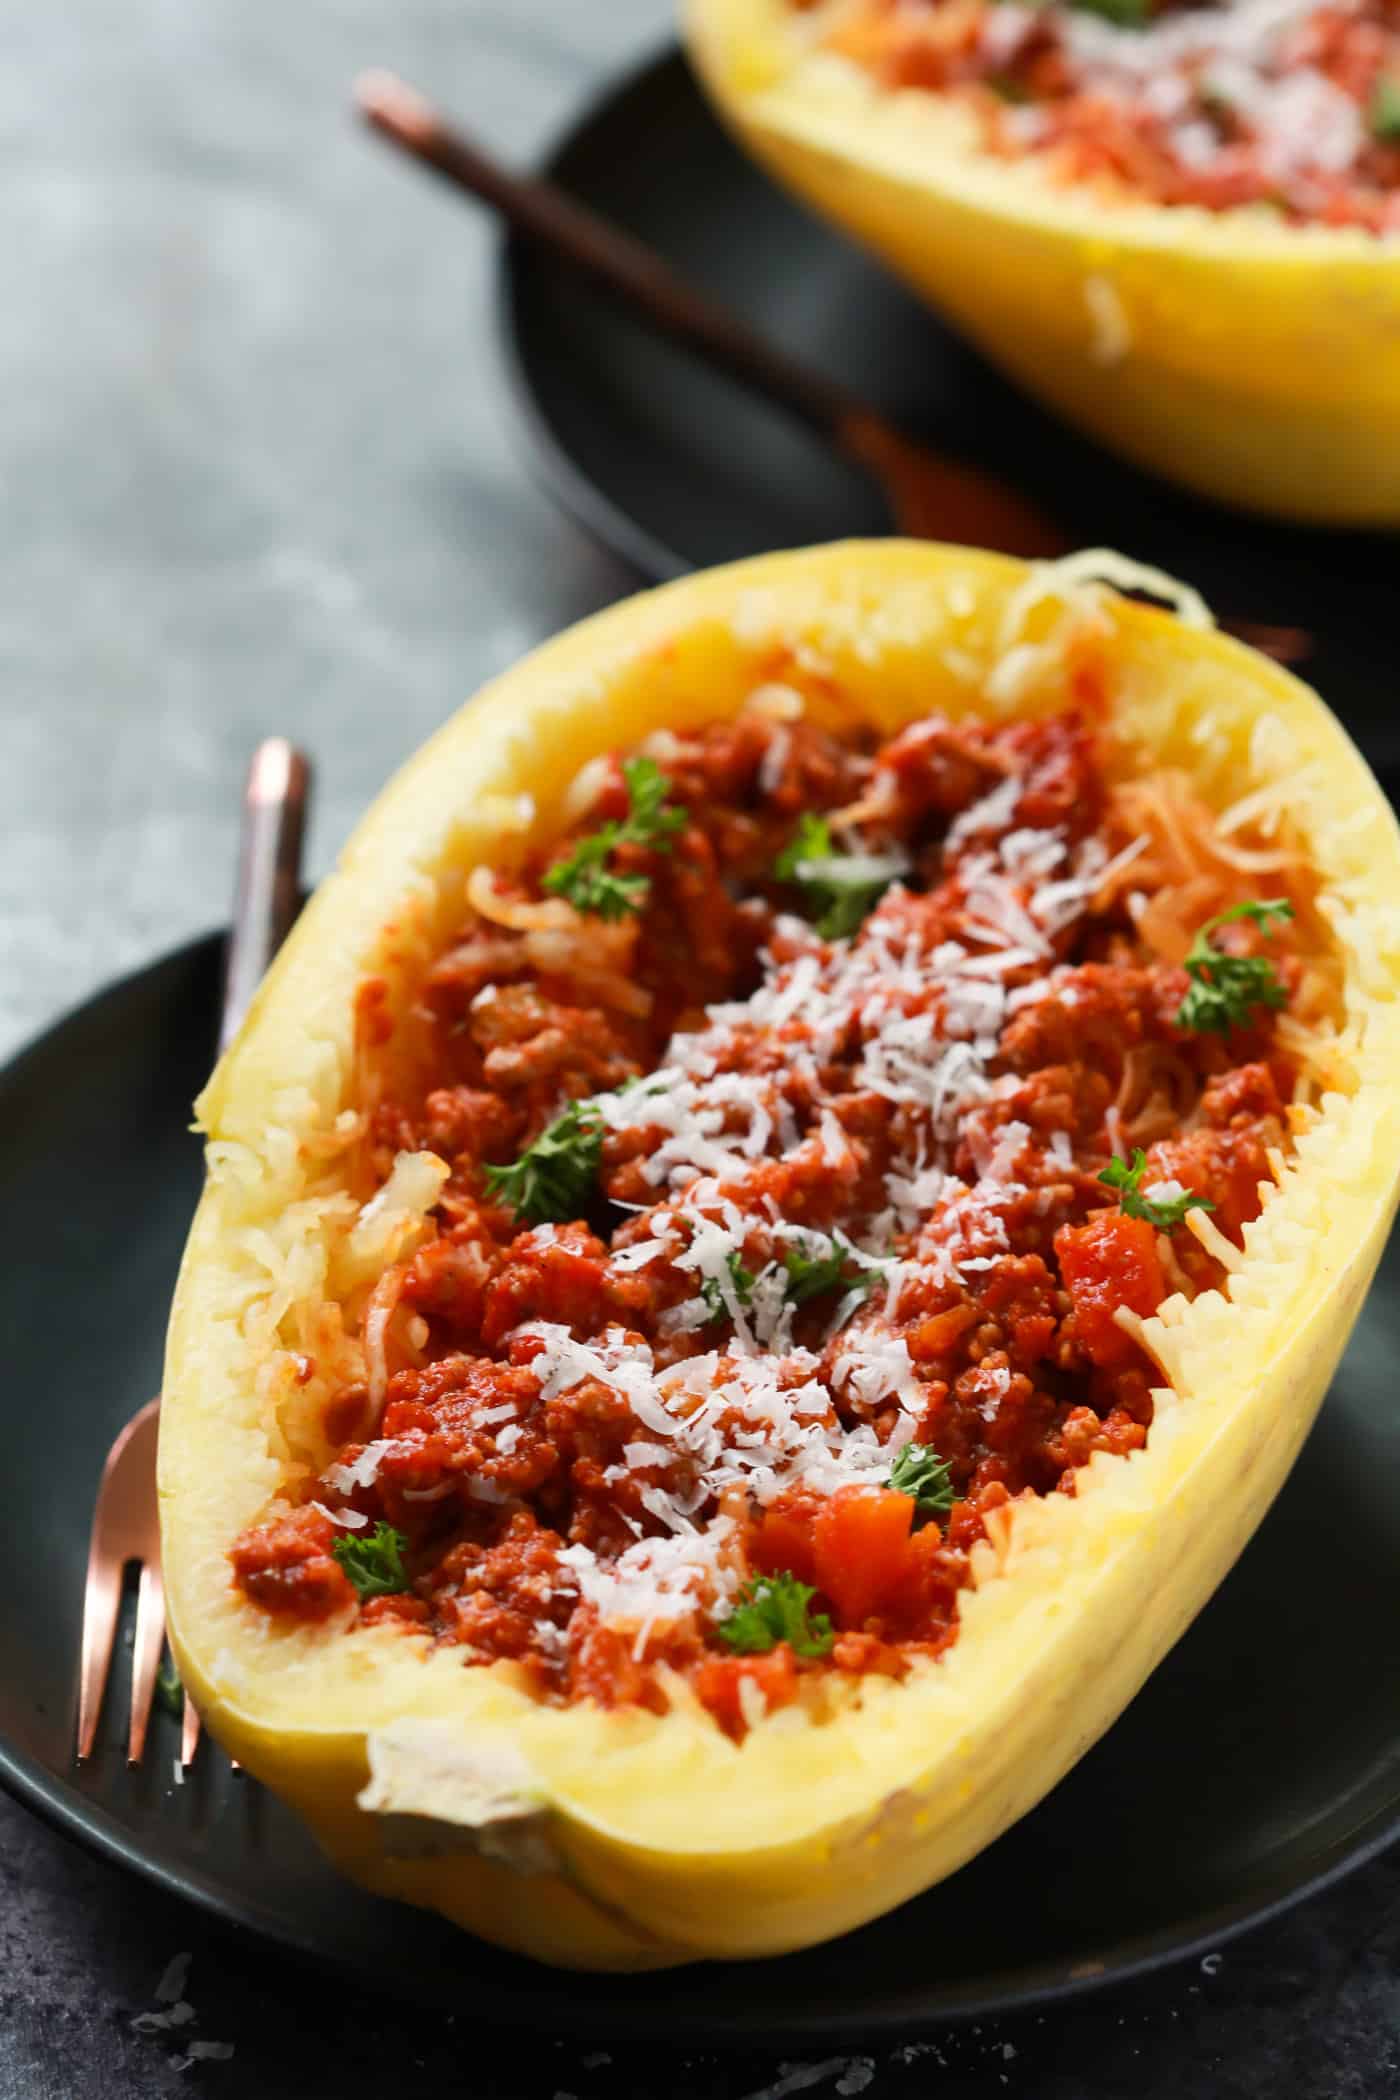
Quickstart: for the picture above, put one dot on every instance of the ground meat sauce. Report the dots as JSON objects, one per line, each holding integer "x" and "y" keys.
{"x": 842, "y": 1197}
{"x": 1290, "y": 107}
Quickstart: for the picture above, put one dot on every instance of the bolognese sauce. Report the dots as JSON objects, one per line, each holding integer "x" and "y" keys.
{"x": 1283, "y": 105}
{"x": 807, "y": 1135}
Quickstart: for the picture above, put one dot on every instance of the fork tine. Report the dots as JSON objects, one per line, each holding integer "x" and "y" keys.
{"x": 101, "y": 1602}
{"x": 121, "y": 1532}
{"x": 145, "y": 1658}
{"x": 189, "y": 1733}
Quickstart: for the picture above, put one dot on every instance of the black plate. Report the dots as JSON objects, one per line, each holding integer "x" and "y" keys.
{"x": 675, "y": 468}
{"x": 1261, "y": 1760}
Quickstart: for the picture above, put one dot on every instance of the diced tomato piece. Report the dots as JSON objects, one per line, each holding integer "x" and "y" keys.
{"x": 924, "y": 1555}
{"x": 859, "y": 1540}
{"x": 719, "y": 1678}
{"x": 782, "y": 1544}
{"x": 1111, "y": 1261}
{"x": 934, "y": 1571}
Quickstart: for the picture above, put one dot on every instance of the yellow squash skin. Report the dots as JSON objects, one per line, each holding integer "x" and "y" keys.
{"x": 630, "y": 1840}
{"x": 1256, "y": 362}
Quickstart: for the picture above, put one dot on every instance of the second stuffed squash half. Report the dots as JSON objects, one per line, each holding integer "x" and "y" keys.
{"x": 1255, "y": 360}
{"x": 617, "y": 1820}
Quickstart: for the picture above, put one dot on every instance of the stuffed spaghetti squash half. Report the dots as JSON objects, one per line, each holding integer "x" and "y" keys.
{"x": 770, "y": 1236}
{"x": 1178, "y": 224}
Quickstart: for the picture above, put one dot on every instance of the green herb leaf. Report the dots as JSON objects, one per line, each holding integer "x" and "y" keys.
{"x": 841, "y": 889}
{"x": 552, "y": 1178}
{"x": 775, "y": 1608}
{"x": 810, "y": 841}
{"x": 1126, "y": 14}
{"x": 742, "y": 1281}
{"x": 1384, "y": 115}
{"x": 374, "y": 1564}
{"x": 649, "y": 822}
{"x": 1226, "y": 988}
{"x": 584, "y": 878}
{"x": 169, "y": 1691}
{"x": 920, "y": 1473}
{"x": 809, "y": 1275}
{"x": 1262, "y": 910}
{"x": 1165, "y": 1213}
{"x": 586, "y": 881}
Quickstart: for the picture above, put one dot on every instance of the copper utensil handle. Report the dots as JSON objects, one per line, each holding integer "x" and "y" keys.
{"x": 621, "y": 264}
{"x": 930, "y": 496}
{"x": 269, "y": 874}
{"x": 266, "y": 903}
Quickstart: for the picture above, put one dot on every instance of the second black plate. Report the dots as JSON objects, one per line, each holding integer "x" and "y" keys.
{"x": 675, "y": 468}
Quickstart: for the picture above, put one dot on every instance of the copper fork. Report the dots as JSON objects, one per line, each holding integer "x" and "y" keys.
{"x": 125, "y": 1525}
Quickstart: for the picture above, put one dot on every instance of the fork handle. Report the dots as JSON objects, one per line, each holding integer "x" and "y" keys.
{"x": 266, "y": 903}
{"x": 627, "y": 268}
{"x": 269, "y": 874}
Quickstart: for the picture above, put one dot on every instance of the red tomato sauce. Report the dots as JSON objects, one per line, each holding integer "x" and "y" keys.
{"x": 844, "y": 1199}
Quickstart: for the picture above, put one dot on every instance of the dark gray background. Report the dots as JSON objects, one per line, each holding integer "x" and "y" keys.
{"x": 260, "y": 473}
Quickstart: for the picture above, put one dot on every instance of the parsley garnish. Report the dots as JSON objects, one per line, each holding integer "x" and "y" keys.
{"x": 374, "y": 1564}
{"x": 552, "y": 1178}
{"x": 742, "y": 1281}
{"x": 585, "y": 883}
{"x": 841, "y": 888}
{"x": 584, "y": 877}
{"x": 809, "y": 1275}
{"x": 774, "y": 1608}
{"x": 1384, "y": 114}
{"x": 926, "y": 1478}
{"x": 1167, "y": 1213}
{"x": 1225, "y": 988}
{"x": 169, "y": 1690}
{"x": 1127, "y": 14}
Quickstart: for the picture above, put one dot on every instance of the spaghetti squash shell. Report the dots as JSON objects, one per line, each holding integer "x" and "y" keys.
{"x": 626, "y": 1839}
{"x": 1255, "y": 361}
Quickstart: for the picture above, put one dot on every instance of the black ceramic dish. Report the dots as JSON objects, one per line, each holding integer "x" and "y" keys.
{"x": 675, "y": 468}
{"x": 1262, "y": 1759}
